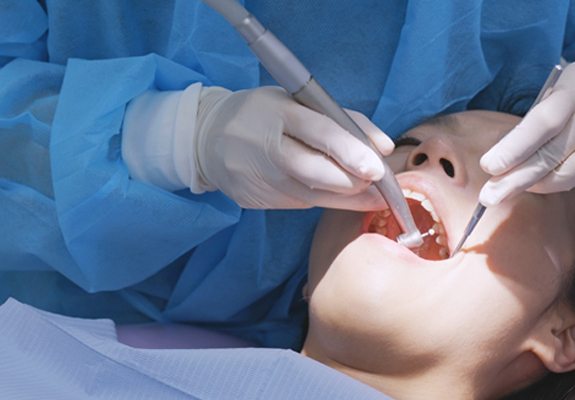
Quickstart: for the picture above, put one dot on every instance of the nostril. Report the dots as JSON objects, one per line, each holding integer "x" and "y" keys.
{"x": 447, "y": 167}
{"x": 419, "y": 159}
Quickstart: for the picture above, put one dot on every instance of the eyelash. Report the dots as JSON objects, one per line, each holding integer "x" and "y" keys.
{"x": 407, "y": 141}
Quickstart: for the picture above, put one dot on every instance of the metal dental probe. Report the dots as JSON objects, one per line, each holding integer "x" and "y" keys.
{"x": 480, "y": 209}
{"x": 290, "y": 73}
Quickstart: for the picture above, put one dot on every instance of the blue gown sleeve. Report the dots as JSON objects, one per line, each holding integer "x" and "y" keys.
{"x": 139, "y": 228}
{"x": 68, "y": 202}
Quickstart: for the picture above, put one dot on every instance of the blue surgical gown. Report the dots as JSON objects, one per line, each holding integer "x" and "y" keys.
{"x": 79, "y": 237}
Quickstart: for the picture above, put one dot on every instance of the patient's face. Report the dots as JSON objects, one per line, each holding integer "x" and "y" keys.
{"x": 377, "y": 306}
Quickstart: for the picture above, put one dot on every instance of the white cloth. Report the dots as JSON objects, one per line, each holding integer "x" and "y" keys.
{"x": 50, "y": 357}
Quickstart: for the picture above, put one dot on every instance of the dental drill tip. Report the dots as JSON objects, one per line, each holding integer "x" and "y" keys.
{"x": 430, "y": 232}
{"x": 413, "y": 241}
{"x": 410, "y": 240}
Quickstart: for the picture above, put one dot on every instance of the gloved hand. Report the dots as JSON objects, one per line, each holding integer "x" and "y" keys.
{"x": 537, "y": 155}
{"x": 264, "y": 150}
{"x": 258, "y": 146}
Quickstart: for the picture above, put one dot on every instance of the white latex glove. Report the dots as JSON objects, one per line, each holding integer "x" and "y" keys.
{"x": 538, "y": 154}
{"x": 264, "y": 150}
{"x": 259, "y": 147}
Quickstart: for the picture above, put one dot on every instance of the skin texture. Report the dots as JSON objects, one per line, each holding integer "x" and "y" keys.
{"x": 478, "y": 325}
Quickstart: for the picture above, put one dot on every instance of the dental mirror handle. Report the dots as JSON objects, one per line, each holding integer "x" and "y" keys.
{"x": 291, "y": 74}
{"x": 480, "y": 209}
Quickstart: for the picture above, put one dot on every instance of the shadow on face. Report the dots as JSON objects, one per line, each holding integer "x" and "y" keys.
{"x": 377, "y": 305}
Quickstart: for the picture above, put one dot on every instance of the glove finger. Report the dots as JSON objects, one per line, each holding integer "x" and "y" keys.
{"x": 513, "y": 182}
{"x": 317, "y": 171}
{"x": 552, "y": 157}
{"x": 304, "y": 197}
{"x": 560, "y": 179}
{"x": 382, "y": 142}
{"x": 545, "y": 121}
{"x": 323, "y": 134}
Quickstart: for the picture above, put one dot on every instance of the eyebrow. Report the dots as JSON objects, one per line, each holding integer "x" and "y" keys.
{"x": 407, "y": 141}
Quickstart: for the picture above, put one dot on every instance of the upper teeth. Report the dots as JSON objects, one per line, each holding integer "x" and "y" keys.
{"x": 425, "y": 203}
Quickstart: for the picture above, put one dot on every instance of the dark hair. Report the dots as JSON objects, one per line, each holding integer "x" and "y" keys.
{"x": 552, "y": 386}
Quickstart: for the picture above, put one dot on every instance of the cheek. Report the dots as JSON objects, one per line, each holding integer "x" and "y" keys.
{"x": 515, "y": 255}
{"x": 477, "y": 299}
{"x": 484, "y": 310}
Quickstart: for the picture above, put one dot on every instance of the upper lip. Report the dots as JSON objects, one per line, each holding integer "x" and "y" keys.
{"x": 426, "y": 186}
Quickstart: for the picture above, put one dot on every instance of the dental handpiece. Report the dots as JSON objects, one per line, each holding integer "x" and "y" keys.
{"x": 480, "y": 208}
{"x": 290, "y": 73}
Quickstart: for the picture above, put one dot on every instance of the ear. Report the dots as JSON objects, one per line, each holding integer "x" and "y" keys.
{"x": 564, "y": 350}
{"x": 555, "y": 342}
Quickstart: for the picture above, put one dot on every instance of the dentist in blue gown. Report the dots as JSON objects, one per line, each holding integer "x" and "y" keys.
{"x": 148, "y": 171}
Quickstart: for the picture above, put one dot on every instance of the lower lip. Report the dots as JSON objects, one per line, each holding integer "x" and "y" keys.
{"x": 394, "y": 249}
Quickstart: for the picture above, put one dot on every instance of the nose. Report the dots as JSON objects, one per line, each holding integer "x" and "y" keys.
{"x": 438, "y": 155}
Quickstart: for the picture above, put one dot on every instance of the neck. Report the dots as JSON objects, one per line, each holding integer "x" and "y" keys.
{"x": 429, "y": 383}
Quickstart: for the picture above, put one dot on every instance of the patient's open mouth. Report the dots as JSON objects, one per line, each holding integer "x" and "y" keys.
{"x": 434, "y": 245}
